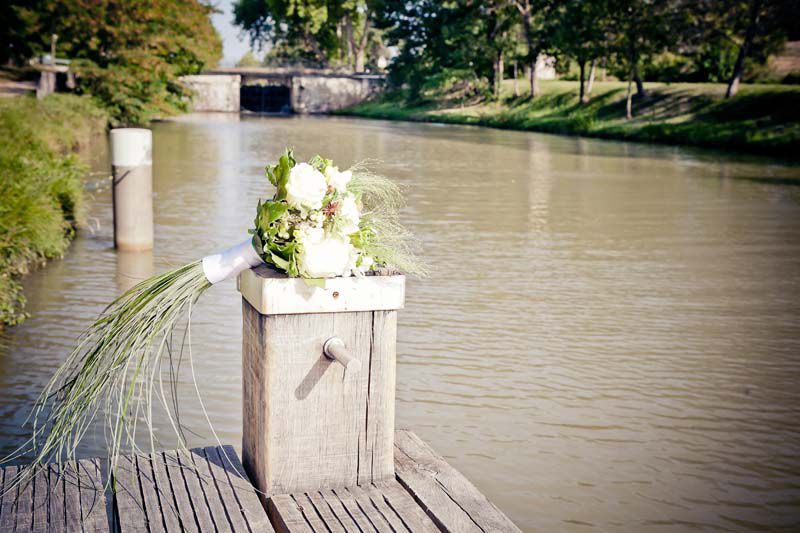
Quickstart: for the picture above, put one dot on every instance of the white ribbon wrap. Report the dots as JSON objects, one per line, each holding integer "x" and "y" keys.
{"x": 229, "y": 263}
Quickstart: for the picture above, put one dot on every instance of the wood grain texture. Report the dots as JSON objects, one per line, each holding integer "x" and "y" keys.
{"x": 195, "y": 492}
{"x": 403, "y": 505}
{"x": 245, "y": 493}
{"x": 131, "y": 516}
{"x": 216, "y": 508}
{"x": 286, "y": 515}
{"x": 94, "y": 515}
{"x": 446, "y": 495}
{"x": 24, "y": 507}
{"x": 232, "y": 507}
{"x": 152, "y": 506}
{"x": 309, "y": 424}
{"x": 273, "y": 293}
{"x": 56, "y": 509}
{"x": 166, "y": 497}
{"x": 376, "y": 455}
{"x": 72, "y": 496}
{"x": 41, "y": 494}
{"x": 348, "y": 521}
{"x": 183, "y": 503}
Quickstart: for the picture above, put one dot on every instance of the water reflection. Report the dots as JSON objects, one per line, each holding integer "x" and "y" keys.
{"x": 610, "y": 337}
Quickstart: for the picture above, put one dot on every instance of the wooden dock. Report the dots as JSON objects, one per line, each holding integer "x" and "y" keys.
{"x": 207, "y": 490}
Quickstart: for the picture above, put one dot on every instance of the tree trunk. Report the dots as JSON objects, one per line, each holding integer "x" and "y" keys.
{"x": 640, "y": 90}
{"x": 590, "y": 84}
{"x": 498, "y": 73}
{"x": 582, "y": 66}
{"x": 533, "y": 53}
{"x": 516, "y": 84}
{"x": 358, "y": 48}
{"x": 738, "y": 68}
{"x": 629, "y": 97}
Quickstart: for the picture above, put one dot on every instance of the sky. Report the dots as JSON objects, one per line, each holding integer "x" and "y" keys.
{"x": 233, "y": 46}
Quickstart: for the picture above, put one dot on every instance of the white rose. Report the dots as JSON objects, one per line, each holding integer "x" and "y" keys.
{"x": 349, "y": 215}
{"x": 366, "y": 263}
{"x": 338, "y": 180}
{"x": 325, "y": 257}
{"x": 307, "y": 232}
{"x": 306, "y": 187}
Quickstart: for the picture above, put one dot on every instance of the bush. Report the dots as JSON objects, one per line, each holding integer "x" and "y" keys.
{"x": 42, "y": 185}
{"x": 454, "y": 85}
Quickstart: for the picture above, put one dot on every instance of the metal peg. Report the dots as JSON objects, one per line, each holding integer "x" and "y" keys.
{"x": 335, "y": 349}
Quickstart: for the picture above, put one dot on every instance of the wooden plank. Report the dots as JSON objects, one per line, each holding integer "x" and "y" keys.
{"x": 444, "y": 493}
{"x": 7, "y": 508}
{"x": 376, "y": 455}
{"x": 250, "y": 503}
{"x": 183, "y": 502}
{"x": 92, "y": 496}
{"x": 147, "y": 482}
{"x": 320, "y": 516}
{"x": 331, "y": 519}
{"x": 216, "y": 507}
{"x": 166, "y": 497}
{"x": 287, "y": 516}
{"x": 41, "y": 495}
{"x": 351, "y": 506}
{"x": 395, "y": 521}
{"x": 409, "y": 511}
{"x": 131, "y": 516}
{"x": 72, "y": 497}
{"x": 196, "y": 494}
{"x": 56, "y": 511}
{"x": 23, "y": 507}
{"x": 232, "y": 506}
{"x": 351, "y": 522}
{"x": 355, "y": 498}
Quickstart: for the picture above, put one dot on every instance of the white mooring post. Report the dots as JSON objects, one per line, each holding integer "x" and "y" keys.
{"x": 318, "y": 378}
{"x": 132, "y": 190}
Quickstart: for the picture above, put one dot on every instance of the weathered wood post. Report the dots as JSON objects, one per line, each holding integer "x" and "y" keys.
{"x": 311, "y": 419}
{"x": 132, "y": 190}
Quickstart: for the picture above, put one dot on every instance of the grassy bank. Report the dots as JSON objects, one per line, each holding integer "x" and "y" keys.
{"x": 760, "y": 119}
{"x": 41, "y": 185}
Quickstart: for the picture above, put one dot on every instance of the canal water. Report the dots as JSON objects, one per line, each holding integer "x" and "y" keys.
{"x": 610, "y": 338}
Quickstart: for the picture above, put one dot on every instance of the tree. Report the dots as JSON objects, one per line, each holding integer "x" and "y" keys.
{"x": 248, "y": 60}
{"x": 538, "y": 27}
{"x": 317, "y": 31}
{"x": 756, "y": 28}
{"x": 127, "y": 53}
{"x": 500, "y": 16}
{"x": 580, "y": 34}
{"x": 638, "y": 29}
{"x": 358, "y": 20}
{"x": 439, "y": 43}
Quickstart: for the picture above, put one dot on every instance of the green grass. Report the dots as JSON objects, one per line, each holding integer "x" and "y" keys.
{"x": 41, "y": 184}
{"x": 760, "y": 119}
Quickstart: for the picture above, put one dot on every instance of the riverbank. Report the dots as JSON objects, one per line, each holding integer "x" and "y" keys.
{"x": 41, "y": 179}
{"x": 761, "y": 119}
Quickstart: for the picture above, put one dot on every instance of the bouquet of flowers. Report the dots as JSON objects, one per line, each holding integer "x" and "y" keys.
{"x": 323, "y": 222}
{"x": 320, "y": 223}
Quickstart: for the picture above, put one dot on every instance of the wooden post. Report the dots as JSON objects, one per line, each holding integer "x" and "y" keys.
{"x": 311, "y": 421}
{"x": 132, "y": 190}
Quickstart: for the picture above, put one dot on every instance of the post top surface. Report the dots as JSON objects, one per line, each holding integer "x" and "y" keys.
{"x": 273, "y": 293}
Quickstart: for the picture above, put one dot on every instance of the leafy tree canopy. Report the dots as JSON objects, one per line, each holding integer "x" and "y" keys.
{"x": 127, "y": 53}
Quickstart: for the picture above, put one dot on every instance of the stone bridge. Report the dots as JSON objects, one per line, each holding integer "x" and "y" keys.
{"x": 275, "y": 90}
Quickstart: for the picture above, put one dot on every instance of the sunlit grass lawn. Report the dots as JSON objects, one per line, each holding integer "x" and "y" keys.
{"x": 761, "y": 118}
